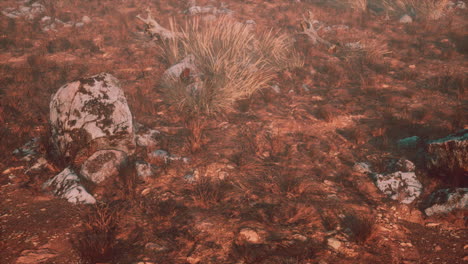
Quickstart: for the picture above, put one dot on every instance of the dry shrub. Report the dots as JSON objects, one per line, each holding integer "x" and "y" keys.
{"x": 207, "y": 191}
{"x": 365, "y": 52}
{"x": 97, "y": 242}
{"x": 421, "y": 9}
{"x": 196, "y": 126}
{"x": 232, "y": 61}
{"x": 359, "y": 227}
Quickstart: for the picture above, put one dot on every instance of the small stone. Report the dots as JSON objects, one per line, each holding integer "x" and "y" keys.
{"x": 276, "y": 88}
{"x": 437, "y": 248}
{"x": 334, "y": 243}
{"x": 67, "y": 185}
{"x": 362, "y": 167}
{"x": 86, "y": 19}
{"x": 250, "y": 235}
{"x": 79, "y": 24}
{"x": 144, "y": 170}
{"x": 155, "y": 247}
{"x": 406, "y": 19}
{"x": 36, "y": 256}
{"x": 446, "y": 200}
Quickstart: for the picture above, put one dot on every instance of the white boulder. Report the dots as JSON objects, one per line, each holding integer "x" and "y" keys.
{"x": 91, "y": 113}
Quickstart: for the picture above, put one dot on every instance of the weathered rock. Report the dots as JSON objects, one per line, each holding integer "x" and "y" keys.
{"x": 102, "y": 165}
{"x": 448, "y": 157}
{"x": 28, "y": 150}
{"x": 362, "y": 167}
{"x": 91, "y": 114}
{"x": 29, "y": 12}
{"x": 401, "y": 186}
{"x": 147, "y": 137}
{"x": 446, "y": 200}
{"x": 176, "y": 70}
{"x": 250, "y": 235}
{"x": 402, "y": 164}
{"x": 86, "y": 19}
{"x": 67, "y": 185}
{"x": 334, "y": 243}
{"x": 36, "y": 256}
{"x": 144, "y": 170}
{"x": 405, "y": 19}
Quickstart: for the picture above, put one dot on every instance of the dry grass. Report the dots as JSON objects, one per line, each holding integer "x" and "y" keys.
{"x": 232, "y": 61}
{"x": 196, "y": 126}
{"x": 359, "y": 227}
{"x": 207, "y": 191}
{"x": 358, "y": 5}
{"x": 98, "y": 240}
{"x": 421, "y": 9}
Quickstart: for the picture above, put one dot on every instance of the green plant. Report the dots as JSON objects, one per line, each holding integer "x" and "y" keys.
{"x": 231, "y": 63}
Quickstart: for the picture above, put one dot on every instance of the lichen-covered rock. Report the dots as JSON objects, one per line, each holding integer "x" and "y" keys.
{"x": 401, "y": 186}
{"x": 91, "y": 114}
{"x": 67, "y": 185}
{"x": 448, "y": 157}
{"x": 102, "y": 165}
{"x": 446, "y": 200}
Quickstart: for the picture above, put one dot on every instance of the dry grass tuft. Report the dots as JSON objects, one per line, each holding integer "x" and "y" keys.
{"x": 196, "y": 126}
{"x": 421, "y": 9}
{"x": 232, "y": 63}
{"x": 97, "y": 242}
{"x": 207, "y": 191}
{"x": 360, "y": 228}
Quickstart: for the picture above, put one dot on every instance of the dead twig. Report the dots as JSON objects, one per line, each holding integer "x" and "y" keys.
{"x": 155, "y": 29}
{"x": 309, "y": 29}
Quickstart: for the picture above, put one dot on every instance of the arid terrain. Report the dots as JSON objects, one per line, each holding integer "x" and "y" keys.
{"x": 288, "y": 173}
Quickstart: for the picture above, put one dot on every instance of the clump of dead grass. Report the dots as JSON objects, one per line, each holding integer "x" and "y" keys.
{"x": 97, "y": 242}
{"x": 421, "y": 9}
{"x": 207, "y": 191}
{"x": 232, "y": 63}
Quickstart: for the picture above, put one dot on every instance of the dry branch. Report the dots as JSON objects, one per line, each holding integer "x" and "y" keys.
{"x": 308, "y": 29}
{"x": 157, "y": 30}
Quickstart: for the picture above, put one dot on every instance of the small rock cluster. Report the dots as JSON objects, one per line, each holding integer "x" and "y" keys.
{"x": 31, "y": 10}
{"x": 93, "y": 130}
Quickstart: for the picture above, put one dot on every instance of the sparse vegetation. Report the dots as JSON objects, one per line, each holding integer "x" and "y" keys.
{"x": 232, "y": 63}
{"x": 224, "y": 154}
{"x": 97, "y": 242}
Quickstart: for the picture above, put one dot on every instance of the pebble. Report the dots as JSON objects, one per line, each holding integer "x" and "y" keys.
{"x": 334, "y": 243}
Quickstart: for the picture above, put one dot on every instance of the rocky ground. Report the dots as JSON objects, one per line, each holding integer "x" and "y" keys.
{"x": 359, "y": 156}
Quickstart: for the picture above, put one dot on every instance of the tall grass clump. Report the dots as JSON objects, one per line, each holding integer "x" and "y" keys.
{"x": 231, "y": 61}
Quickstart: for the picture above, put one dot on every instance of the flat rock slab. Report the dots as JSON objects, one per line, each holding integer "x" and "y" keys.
{"x": 91, "y": 114}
